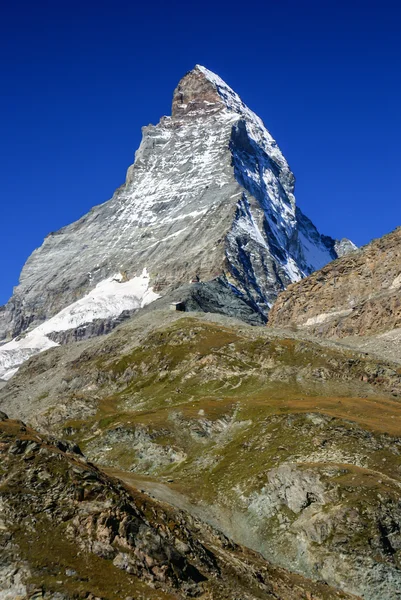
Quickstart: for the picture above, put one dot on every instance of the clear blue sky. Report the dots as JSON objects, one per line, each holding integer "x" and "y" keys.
{"x": 79, "y": 79}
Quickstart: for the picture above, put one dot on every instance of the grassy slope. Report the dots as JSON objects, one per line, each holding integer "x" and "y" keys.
{"x": 56, "y": 507}
{"x": 213, "y": 410}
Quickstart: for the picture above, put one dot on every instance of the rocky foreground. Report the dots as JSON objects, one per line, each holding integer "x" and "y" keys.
{"x": 287, "y": 445}
{"x": 69, "y": 531}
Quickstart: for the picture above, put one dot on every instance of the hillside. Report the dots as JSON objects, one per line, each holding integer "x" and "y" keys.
{"x": 357, "y": 294}
{"x": 287, "y": 445}
{"x": 70, "y": 531}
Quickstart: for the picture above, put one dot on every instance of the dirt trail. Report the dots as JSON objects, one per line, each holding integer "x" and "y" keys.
{"x": 162, "y": 492}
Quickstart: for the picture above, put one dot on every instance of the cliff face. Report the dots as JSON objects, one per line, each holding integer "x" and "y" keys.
{"x": 357, "y": 295}
{"x": 210, "y": 193}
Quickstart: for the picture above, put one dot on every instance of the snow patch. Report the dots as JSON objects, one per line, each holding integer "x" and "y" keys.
{"x": 323, "y": 317}
{"x": 292, "y": 269}
{"x": 9, "y": 374}
{"x": 108, "y": 299}
{"x": 396, "y": 283}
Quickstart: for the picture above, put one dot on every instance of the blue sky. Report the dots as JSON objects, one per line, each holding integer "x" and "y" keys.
{"x": 80, "y": 79}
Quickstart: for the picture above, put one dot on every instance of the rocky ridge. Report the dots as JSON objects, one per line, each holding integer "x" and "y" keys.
{"x": 357, "y": 295}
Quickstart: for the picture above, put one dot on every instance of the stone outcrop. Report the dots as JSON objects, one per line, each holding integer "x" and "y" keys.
{"x": 89, "y": 330}
{"x": 356, "y": 295}
{"x": 214, "y": 296}
{"x": 195, "y": 95}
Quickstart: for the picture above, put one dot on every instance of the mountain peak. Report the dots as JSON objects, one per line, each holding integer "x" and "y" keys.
{"x": 201, "y": 93}
{"x": 212, "y": 77}
{"x": 196, "y": 94}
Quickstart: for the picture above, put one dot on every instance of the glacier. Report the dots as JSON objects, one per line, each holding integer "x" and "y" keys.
{"x": 108, "y": 299}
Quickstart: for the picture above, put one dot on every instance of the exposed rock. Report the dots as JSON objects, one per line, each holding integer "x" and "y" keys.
{"x": 137, "y": 447}
{"x": 89, "y": 330}
{"x": 352, "y": 544}
{"x": 293, "y": 488}
{"x": 69, "y": 531}
{"x": 357, "y": 295}
{"x": 215, "y": 296}
{"x": 344, "y": 247}
{"x": 195, "y": 95}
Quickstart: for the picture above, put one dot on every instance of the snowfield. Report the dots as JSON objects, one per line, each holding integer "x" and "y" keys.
{"x": 108, "y": 299}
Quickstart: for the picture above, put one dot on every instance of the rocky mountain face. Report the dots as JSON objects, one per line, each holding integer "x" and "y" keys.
{"x": 287, "y": 445}
{"x": 209, "y": 194}
{"x": 70, "y": 531}
{"x": 357, "y": 295}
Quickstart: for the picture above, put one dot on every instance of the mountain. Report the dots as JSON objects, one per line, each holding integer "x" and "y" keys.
{"x": 210, "y": 195}
{"x": 180, "y": 447}
{"x": 356, "y": 299}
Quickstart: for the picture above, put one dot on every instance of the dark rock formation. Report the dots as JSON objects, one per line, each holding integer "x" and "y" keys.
{"x": 215, "y": 296}
{"x": 89, "y": 330}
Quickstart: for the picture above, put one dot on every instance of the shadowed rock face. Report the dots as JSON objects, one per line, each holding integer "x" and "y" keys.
{"x": 357, "y": 295}
{"x": 89, "y": 330}
{"x": 214, "y": 296}
{"x": 210, "y": 193}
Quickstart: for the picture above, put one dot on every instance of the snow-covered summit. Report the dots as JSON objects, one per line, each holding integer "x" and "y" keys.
{"x": 209, "y": 194}
{"x": 192, "y": 94}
